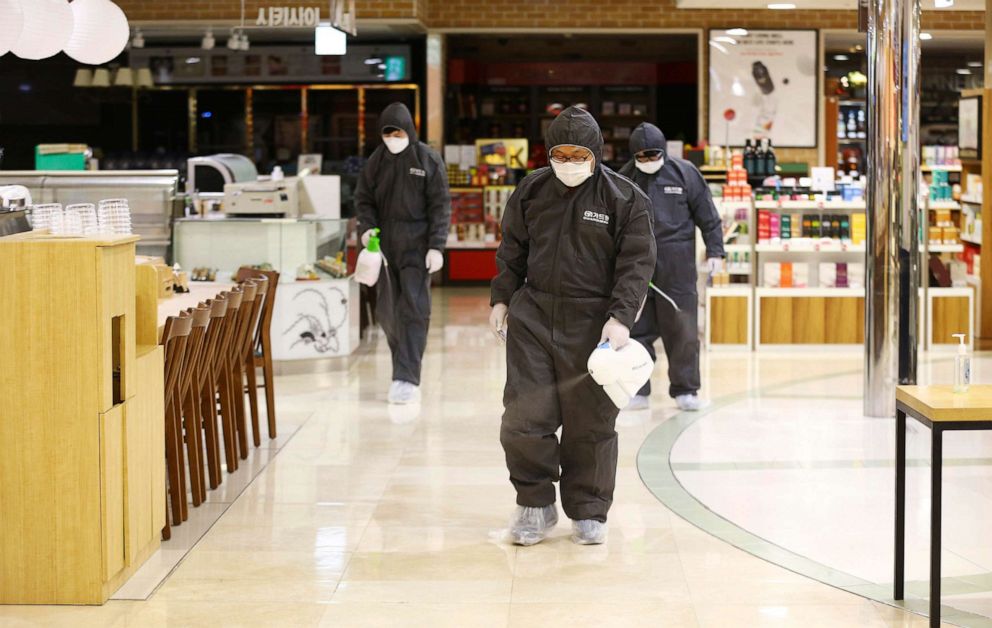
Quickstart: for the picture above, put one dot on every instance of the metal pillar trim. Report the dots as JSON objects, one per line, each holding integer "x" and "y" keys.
{"x": 892, "y": 257}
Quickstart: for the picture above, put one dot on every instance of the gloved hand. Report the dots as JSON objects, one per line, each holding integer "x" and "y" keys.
{"x": 714, "y": 265}
{"x": 367, "y": 236}
{"x": 617, "y": 333}
{"x": 435, "y": 261}
{"x": 497, "y": 319}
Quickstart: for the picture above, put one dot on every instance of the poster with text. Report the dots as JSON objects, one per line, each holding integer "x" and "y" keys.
{"x": 763, "y": 84}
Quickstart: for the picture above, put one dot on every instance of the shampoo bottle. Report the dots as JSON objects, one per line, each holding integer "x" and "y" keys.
{"x": 962, "y": 366}
{"x": 369, "y": 262}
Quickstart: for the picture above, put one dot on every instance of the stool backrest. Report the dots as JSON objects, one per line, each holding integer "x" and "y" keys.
{"x": 174, "y": 339}
{"x": 265, "y": 322}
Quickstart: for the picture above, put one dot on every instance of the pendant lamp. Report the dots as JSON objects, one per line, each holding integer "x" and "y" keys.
{"x": 46, "y": 29}
{"x": 100, "y": 34}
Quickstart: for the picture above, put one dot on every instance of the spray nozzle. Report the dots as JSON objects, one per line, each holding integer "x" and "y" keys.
{"x": 373, "y": 245}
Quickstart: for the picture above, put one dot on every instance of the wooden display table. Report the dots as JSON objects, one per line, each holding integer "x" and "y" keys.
{"x": 82, "y": 474}
{"x": 940, "y": 409}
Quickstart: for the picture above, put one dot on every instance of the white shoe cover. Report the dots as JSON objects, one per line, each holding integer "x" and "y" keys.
{"x": 530, "y": 526}
{"x": 638, "y": 402}
{"x": 401, "y": 392}
{"x": 690, "y": 403}
{"x": 588, "y": 532}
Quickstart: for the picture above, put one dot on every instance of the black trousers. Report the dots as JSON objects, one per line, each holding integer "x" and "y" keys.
{"x": 403, "y": 308}
{"x": 549, "y": 340}
{"x": 679, "y": 332}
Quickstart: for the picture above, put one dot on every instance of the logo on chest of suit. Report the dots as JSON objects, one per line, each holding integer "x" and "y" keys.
{"x": 417, "y": 172}
{"x": 673, "y": 189}
{"x": 596, "y": 217}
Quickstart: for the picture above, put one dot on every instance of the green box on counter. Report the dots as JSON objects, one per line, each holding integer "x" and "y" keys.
{"x": 61, "y": 156}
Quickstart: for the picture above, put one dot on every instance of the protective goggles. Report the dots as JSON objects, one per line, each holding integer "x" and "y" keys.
{"x": 650, "y": 155}
{"x": 576, "y": 154}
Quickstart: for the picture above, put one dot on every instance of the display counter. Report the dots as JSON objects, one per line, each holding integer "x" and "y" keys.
{"x": 81, "y": 420}
{"x": 317, "y": 318}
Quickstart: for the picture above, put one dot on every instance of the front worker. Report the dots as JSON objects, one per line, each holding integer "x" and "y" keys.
{"x": 574, "y": 265}
{"x": 681, "y": 201}
{"x": 403, "y": 191}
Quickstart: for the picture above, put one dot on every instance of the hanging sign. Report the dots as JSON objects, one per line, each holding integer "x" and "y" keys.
{"x": 288, "y": 17}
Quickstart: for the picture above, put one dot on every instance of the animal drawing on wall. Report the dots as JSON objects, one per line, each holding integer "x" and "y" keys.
{"x": 320, "y": 319}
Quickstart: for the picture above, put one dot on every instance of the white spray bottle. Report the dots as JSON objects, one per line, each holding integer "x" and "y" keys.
{"x": 962, "y": 366}
{"x": 369, "y": 262}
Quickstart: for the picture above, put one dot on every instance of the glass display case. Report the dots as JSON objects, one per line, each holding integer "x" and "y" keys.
{"x": 316, "y": 313}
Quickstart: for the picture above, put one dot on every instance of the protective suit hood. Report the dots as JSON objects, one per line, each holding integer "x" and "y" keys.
{"x": 398, "y": 115}
{"x": 578, "y": 127}
{"x": 648, "y": 137}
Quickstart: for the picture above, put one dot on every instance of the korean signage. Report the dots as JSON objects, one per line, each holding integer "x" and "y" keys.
{"x": 288, "y": 17}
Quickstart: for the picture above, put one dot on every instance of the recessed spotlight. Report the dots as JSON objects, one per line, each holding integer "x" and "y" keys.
{"x": 781, "y": 6}
{"x": 841, "y": 58}
{"x": 926, "y": 36}
{"x": 192, "y": 60}
{"x": 208, "y": 42}
{"x": 859, "y": 48}
{"x": 974, "y": 64}
{"x": 737, "y": 32}
{"x": 963, "y": 71}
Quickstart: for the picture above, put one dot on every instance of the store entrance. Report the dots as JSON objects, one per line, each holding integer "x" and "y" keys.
{"x": 513, "y": 86}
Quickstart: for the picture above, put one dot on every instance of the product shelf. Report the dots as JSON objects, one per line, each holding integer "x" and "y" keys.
{"x": 977, "y": 241}
{"x": 810, "y": 247}
{"x": 737, "y": 248}
{"x": 946, "y": 248}
{"x": 971, "y": 200}
{"x": 810, "y": 292}
{"x": 831, "y": 205}
{"x": 935, "y": 168}
{"x": 465, "y": 245}
{"x": 951, "y": 205}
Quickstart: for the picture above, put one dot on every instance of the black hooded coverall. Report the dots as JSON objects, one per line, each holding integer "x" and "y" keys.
{"x": 570, "y": 259}
{"x": 681, "y": 201}
{"x": 406, "y": 196}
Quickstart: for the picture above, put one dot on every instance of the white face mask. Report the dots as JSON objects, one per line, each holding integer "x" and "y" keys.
{"x": 396, "y": 145}
{"x": 650, "y": 167}
{"x": 571, "y": 174}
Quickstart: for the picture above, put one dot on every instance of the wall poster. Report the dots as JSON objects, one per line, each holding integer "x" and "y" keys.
{"x": 763, "y": 84}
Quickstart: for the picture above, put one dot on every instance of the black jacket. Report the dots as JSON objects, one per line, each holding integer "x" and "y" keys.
{"x": 405, "y": 195}
{"x": 679, "y": 195}
{"x": 594, "y": 240}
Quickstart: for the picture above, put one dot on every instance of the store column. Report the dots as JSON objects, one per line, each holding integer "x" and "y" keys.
{"x": 435, "y": 90}
{"x": 985, "y": 270}
{"x": 891, "y": 304}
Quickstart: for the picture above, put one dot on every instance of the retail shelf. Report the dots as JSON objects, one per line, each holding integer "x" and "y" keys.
{"x": 935, "y": 168}
{"x": 723, "y": 204}
{"x": 963, "y": 291}
{"x": 737, "y": 248}
{"x": 946, "y": 248}
{"x": 971, "y": 200}
{"x": 952, "y": 205}
{"x": 810, "y": 246}
{"x": 976, "y": 240}
{"x": 739, "y": 273}
{"x": 832, "y": 205}
{"x": 810, "y": 292}
{"x": 478, "y": 246}
{"x": 730, "y": 291}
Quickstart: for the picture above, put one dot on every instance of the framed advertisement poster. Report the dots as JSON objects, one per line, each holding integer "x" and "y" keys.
{"x": 970, "y": 127}
{"x": 763, "y": 84}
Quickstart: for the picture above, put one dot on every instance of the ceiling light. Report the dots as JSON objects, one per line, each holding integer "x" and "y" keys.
{"x": 737, "y": 32}
{"x": 974, "y": 64}
{"x": 841, "y": 58}
{"x": 209, "y": 41}
{"x": 244, "y": 44}
{"x": 330, "y": 41}
{"x": 963, "y": 71}
{"x": 234, "y": 41}
{"x": 781, "y": 6}
{"x": 373, "y": 61}
{"x": 723, "y": 39}
{"x": 859, "y": 48}
{"x": 926, "y": 36}
{"x": 138, "y": 41}
{"x": 192, "y": 60}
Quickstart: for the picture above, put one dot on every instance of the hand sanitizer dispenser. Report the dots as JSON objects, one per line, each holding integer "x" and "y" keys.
{"x": 962, "y": 366}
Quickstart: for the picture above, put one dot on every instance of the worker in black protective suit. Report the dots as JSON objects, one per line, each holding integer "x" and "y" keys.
{"x": 574, "y": 265}
{"x": 681, "y": 201}
{"x": 403, "y": 191}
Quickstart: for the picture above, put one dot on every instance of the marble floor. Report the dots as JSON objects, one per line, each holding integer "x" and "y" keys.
{"x": 372, "y": 516}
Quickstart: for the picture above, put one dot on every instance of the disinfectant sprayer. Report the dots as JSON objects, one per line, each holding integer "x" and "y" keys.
{"x": 622, "y": 372}
{"x": 664, "y": 296}
{"x": 369, "y": 262}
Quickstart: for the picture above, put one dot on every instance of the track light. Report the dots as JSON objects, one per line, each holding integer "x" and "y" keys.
{"x": 208, "y": 42}
{"x": 138, "y": 41}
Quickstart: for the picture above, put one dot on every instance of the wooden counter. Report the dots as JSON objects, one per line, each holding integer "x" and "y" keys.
{"x": 81, "y": 421}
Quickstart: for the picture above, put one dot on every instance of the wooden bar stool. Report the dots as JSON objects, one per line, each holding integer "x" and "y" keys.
{"x": 235, "y": 362}
{"x": 206, "y": 392}
{"x": 189, "y": 402}
{"x": 222, "y": 379}
{"x": 174, "y": 340}
{"x": 261, "y": 356}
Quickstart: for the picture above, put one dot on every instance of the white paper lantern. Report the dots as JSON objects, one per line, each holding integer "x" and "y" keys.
{"x": 100, "y": 33}
{"x": 46, "y": 31}
{"x": 11, "y": 22}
